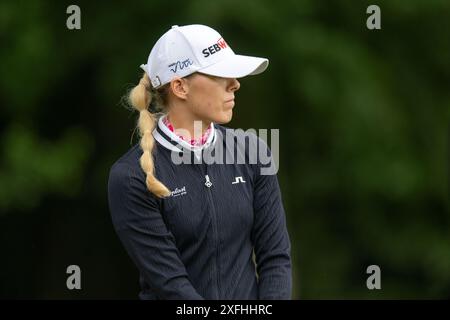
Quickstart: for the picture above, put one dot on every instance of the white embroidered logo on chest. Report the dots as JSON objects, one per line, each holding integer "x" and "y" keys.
{"x": 179, "y": 192}
{"x": 238, "y": 180}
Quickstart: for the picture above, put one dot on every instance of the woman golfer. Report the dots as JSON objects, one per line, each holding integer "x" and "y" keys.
{"x": 198, "y": 229}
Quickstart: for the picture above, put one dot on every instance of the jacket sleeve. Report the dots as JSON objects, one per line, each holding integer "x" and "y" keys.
{"x": 271, "y": 240}
{"x": 141, "y": 229}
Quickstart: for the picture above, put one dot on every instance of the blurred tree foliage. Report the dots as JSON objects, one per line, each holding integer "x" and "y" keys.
{"x": 364, "y": 129}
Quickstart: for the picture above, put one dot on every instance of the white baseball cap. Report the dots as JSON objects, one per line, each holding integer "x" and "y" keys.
{"x": 191, "y": 48}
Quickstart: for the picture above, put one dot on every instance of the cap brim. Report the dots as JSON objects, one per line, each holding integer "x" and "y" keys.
{"x": 237, "y": 66}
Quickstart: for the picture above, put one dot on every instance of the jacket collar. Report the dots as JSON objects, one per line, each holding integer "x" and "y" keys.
{"x": 171, "y": 141}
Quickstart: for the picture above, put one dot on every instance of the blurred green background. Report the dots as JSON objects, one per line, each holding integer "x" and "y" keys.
{"x": 364, "y": 138}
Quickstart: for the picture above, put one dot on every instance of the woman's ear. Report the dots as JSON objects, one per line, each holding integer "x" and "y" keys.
{"x": 180, "y": 87}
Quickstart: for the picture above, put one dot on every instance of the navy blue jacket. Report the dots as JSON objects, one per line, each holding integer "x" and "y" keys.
{"x": 220, "y": 235}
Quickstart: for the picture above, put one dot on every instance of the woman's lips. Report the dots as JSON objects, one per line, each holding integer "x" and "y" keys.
{"x": 230, "y": 103}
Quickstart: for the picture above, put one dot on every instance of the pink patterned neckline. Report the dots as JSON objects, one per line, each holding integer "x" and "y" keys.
{"x": 193, "y": 142}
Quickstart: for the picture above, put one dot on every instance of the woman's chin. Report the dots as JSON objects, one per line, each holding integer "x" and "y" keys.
{"x": 225, "y": 117}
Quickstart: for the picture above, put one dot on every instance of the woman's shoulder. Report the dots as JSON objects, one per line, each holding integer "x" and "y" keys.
{"x": 130, "y": 158}
{"x": 126, "y": 175}
{"x": 127, "y": 163}
{"x": 242, "y": 137}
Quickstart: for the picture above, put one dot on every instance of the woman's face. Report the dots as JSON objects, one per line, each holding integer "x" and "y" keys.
{"x": 211, "y": 98}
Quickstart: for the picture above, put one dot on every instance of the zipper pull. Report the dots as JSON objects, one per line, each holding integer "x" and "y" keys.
{"x": 208, "y": 183}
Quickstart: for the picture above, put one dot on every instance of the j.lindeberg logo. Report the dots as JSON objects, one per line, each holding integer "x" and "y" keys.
{"x": 178, "y": 192}
{"x": 238, "y": 180}
{"x": 180, "y": 64}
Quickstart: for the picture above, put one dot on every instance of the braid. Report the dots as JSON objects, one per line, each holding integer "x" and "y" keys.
{"x": 140, "y": 98}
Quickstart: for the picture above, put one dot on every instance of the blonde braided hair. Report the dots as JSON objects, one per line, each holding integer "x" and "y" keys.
{"x": 139, "y": 98}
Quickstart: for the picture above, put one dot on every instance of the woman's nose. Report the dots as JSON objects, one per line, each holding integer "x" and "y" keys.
{"x": 234, "y": 85}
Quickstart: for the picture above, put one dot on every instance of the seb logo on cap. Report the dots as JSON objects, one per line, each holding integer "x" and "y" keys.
{"x": 221, "y": 44}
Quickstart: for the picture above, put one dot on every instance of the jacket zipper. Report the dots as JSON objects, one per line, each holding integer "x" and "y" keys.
{"x": 208, "y": 184}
